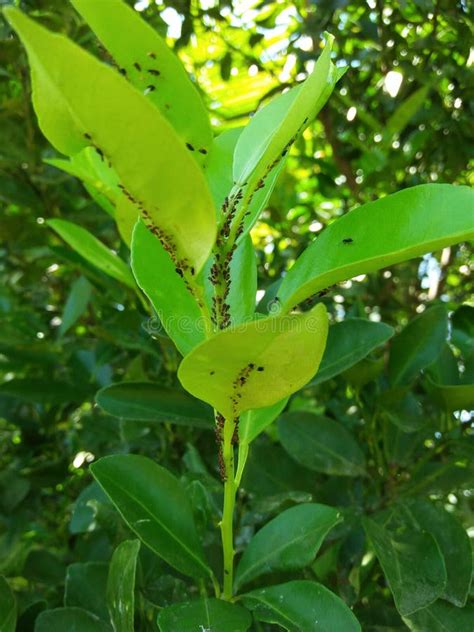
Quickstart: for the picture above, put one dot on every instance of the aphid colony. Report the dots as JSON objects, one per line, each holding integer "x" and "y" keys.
{"x": 237, "y": 386}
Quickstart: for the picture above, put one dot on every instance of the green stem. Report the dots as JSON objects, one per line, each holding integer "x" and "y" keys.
{"x": 227, "y": 522}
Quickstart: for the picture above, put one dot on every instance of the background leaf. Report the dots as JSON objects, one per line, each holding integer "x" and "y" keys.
{"x": 320, "y": 444}
{"x": 7, "y": 607}
{"x": 288, "y": 542}
{"x": 206, "y": 614}
{"x": 76, "y": 619}
{"x": 154, "y": 505}
{"x": 301, "y": 605}
{"x": 121, "y": 586}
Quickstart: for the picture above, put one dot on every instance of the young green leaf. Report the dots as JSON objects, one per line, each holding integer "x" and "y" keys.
{"x": 262, "y": 146}
{"x": 93, "y": 250}
{"x": 441, "y": 617}
{"x": 95, "y": 106}
{"x": 85, "y": 588}
{"x": 256, "y": 364}
{"x": 253, "y": 422}
{"x": 154, "y": 505}
{"x": 243, "y": 287}
{"x": 168, "y": 292}
{"x": 288, "y": 542}
{"x": 418, "y": 345}
{"x": 121, "y": 586}
{"x": 301, "y": 605}
{"x": 349, "y": 342}
{"x": 205, "y": 614}
{"x": 453, "y": 542}
{"x": 7, "y": 607}
{"x": 395, "y": 228}
{"x": 144, "y": 401}
{"x": 152, "y": 67}
{"x": 320, "y": 444}
{"x": 76, "y": 303}
{"x": 412, "y": 564}
{"x": 77, "y": 619}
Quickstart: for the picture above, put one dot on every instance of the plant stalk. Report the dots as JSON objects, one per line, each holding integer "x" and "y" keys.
{"x": 227, "y": 522}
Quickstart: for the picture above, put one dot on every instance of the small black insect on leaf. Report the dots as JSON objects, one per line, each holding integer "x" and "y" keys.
{"x": 137, "y": 66}
{"x": 152, "y": 71}
{"x": 211, "y": 372}
{"x": 189, "y": 146}
{"x": 122, "y": 71}
{"x": 260, "y": 368}
{"x": 149, "y": 89}
{"x": 87, "y": 136}
{"x": 203, "y": 151}
{"x": 152, "y": 55}
{"x": 347, "y": 240}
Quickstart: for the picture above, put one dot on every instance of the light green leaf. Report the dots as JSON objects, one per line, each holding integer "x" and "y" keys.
{"x": 76, "y": 303}
{"x": 152, "y": 67}
{"x": 263, "y": 144}
{"x": 93, "y": 250}
{"x": 154, "y": 505}
{"x": 95, "y": 106}
{"x": 254, "y": 422}
{"x": 441, "y": 617}
{"x": 172, "y": 300}
{"x": 376, "y": 235}
{"x": 219, "y": 165}
{"x": 71, "y": 619}
{"x": 243, "y": 285}
{"x": 121, "y": 586}
{"x": 301, "y": 605}
{"x": 205, "y": 614}
{"x": 288, "y": 542}
{"x": 412, "y": 564}
{"x": 320, "y": 444}
{"x": 85, "y": 588}
{"x": 144, "y": 401}
{"x": 7, "y": 607}
{"x": 453, "y": 542}
{"x": 256, "y": 364}
{"x": 418, "y": 345}
{"x": 349, "y": 342}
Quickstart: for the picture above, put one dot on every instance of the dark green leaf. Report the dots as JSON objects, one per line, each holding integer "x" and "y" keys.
{"x": 349, "y": 342}
{"x": 412, "y": 564}
{"x": 301, "y": 605}
{"x": 155, "y": 506}
{"x": 442, "y": 617}
{"x": 206, "y": 614}
{"x": 70, "y": 619}
{"x": 320, "y": 444}
{"x": 288, "y": 542}
{"x": 76, "y": 303}
{"x": 43, "y": 392}
{"x": 418, "y": 345}
{"x": 85, "y": 588}
{"x": 7, "y": 607}
{"x": 121, "y": 586}
{"x": 144, "y": 401}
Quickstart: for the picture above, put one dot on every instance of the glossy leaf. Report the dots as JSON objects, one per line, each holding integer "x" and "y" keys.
{"x": 76, "y": 619}
{"x": 376, "y": 235}
{"x": 144, "y": 401}
{"x": 349, "y": 342}
{"x": 453, "y": 542}
{"x": 254, "y": 422}
{"x": 441, "y": 617}
{"x": 301, "y": 605}
{"x": 256, "y": 364}
{"x": 85, "y": 587}
{"x": 288, "y": 542}
{"x": 7, "y": 607}
{"x": 151, "y": 66}
{"x": 205, "y": 614}
{"x": 93, "y": 250}
{"x": 412, "y": 564}
{"x": 243, "y": 287}
{"x": 453, "y": 397}
{"x": 44, "y": 392}
{"x": 320, "y": 444}
{"x": 418, "y": 345}
{"x": 403, "y": 409}
{"x": 219, "y": 165}
{"x": 76, "y": 303}
{"x": 95, "y": 106}
{"x": 155, "y": 273}
{"x": 121, "y": 586}
{"x": 154, "y": 505}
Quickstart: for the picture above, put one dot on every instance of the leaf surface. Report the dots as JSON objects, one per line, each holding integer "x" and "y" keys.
{"x": 205, "y": 614}
{"x": 121, "y": 586}
{"x": 7, "y": 607}
{"x": 376, "y": 235}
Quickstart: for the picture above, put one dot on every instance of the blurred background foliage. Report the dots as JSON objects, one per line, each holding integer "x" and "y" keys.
{"x": 402, "y": 115}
